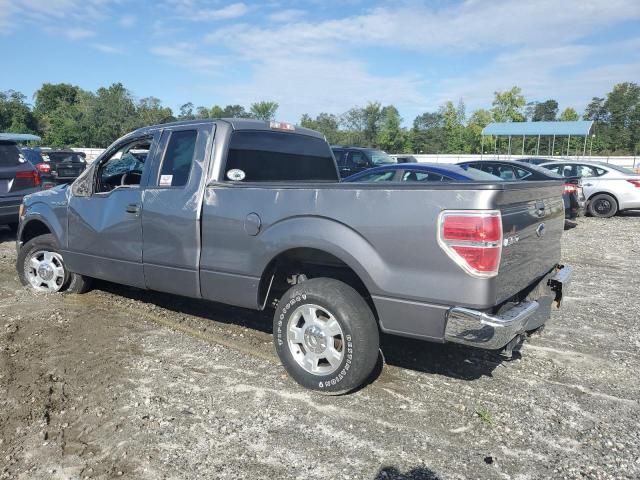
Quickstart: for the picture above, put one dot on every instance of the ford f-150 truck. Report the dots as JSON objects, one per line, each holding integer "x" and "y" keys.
{"x": 253, "y": 214}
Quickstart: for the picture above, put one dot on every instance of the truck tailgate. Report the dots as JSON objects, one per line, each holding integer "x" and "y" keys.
{"x": 532, "y": 222}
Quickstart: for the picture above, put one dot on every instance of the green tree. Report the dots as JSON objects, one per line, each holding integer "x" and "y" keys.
{"x": 427, "y": 135}
{"x": 325, "y": 123}
{"x": 596, "y": 110}
{"x": 542, "y": 111}
{"x": 149, "y": 111}
{"x": 623, "y": 107}
{"x": 453, "y": 126}
{"x": 264, "y": 110}
{"x": 51, "y": 95}
{"x": 391, "y": 137}
{"x": 15, "y": 113}
{"x": 111, "y": 114}
{"x": 372, "y": 116}
{"x": 186, "y": 111}
{"x": 508, "y": 106}
{"x": 479, "y": 119}
{"x": 569, "y": 115}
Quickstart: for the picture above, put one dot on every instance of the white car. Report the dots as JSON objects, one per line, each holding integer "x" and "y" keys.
{"x": 608, "y": 188}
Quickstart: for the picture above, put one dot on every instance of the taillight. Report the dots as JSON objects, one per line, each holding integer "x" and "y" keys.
{"x": 473, "y": 240}
{"x": 30, "y": 175}
{"x": 635, "y": 183}
{"x": 43, "y": 167}
{"x": 570, "y": 188}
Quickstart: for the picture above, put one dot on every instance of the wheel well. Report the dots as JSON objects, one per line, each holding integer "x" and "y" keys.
{"x": 34, "y": 229}
{"x": 605, "y": 193}
{"x": 292, "y": 266}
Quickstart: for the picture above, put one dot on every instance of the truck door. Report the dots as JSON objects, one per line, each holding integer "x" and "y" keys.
{"x": 171, "y": 210}
{"x": 105, "y": 227}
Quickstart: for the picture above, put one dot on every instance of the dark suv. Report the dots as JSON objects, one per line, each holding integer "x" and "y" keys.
{"x": 17, "y": 179}
{"x": 352, "y": 160}
{"x": 66, "y": 165}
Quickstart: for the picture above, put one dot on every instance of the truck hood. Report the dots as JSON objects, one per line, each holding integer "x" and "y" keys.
{"x": 56, "y": 194}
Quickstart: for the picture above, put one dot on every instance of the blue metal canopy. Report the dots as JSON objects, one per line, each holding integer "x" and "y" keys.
{"x": 514, "y": 129}
{"x": 19, "y": 137}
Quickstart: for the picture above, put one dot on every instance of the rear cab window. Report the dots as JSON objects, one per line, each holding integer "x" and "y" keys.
{"x": 267, "y": 156}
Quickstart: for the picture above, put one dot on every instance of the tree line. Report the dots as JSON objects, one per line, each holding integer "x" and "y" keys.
{"x": 65, "y": 115}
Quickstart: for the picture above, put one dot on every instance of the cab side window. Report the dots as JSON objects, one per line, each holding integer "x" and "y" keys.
{"x": 419, "y": 176}
{"x": 357, "y": 159}
{"x": 178, "y": 158}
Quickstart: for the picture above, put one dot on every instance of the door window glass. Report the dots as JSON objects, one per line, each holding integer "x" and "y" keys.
{"x": 357, "y": 159}
{"x": 416, "y": 176}
{"x": 521, "y": 173}
{"x": 340, "y": 157}
{"x": 378, "y": 177}
{"x": 124, "y": 167}
{"x": 178, "y": 158}
{"x": 9, "y": 154}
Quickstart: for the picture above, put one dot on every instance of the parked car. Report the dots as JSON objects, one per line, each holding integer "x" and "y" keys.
{"x": 573, "y": 197}
{"x": 534, "y": 160}
{"x": 66, "y": 165}
{"x": 34, "y": 157}
{"x": 352, "y": 160}
{"x": 423, "y": 172}
{"x": 405, "y": 158}
{"x": 17, "y": 179}
{"x": 608, "y": 188}
{"x": 252, "y": 214}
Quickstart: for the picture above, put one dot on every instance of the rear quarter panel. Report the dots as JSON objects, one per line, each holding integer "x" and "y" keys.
{"x": 386, "y": 235}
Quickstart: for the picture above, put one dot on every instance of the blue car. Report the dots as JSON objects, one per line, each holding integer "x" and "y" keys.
{"x": 422, "y": 172}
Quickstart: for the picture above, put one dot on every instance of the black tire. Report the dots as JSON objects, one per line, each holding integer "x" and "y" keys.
{"x": 603, "y": 205}
{"x": 73, "y": 282}
{"x": 358, "y": 341}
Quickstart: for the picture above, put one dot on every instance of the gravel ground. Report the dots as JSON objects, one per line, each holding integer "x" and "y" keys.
{"x": 131, "y": 384}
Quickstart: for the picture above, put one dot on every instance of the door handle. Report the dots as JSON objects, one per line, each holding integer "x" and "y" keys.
{"x": 588, "y": 185}
{"x": 133, "y": 208}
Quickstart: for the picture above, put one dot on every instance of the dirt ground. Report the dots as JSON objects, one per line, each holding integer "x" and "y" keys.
{"x": 131, "y": 384}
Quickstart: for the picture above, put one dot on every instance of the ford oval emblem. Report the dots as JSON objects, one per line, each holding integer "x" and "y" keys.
{"x": 541, "y": 230}
{"x": 236, "y": 175}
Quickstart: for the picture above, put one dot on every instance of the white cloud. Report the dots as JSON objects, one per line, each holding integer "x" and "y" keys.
{"x": 200, "y": 11}
{"x": 110, "y": 49}
{"x": 127, "y": 21}
{"x": 77, "y": 33}
{"x": 186, "y": 55}
{"x": 287, "y": 16}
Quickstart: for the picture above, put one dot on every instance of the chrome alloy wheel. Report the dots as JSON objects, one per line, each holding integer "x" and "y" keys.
{"x": 315, "y": 339}
{"x": 45, "y": 271}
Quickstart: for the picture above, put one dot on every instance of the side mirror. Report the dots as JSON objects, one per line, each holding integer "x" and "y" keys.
{"x": 83, "y": 185}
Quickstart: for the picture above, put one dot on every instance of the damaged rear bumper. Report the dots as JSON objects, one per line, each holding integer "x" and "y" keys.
{"x": 492, "y": 332}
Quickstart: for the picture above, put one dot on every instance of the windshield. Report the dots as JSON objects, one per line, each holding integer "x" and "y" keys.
{"x": 378, "y": 157}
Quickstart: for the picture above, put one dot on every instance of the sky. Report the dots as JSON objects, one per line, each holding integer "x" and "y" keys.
{"x": 315, "y": 56}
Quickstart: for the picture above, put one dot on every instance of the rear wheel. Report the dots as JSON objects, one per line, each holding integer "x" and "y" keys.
{"x": 41, "y": 267}
{"x": 326, "y": 336}
{"x": 603, "y": 205}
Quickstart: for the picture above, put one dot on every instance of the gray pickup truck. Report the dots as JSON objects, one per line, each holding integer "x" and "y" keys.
{"x": 252, "y": 214}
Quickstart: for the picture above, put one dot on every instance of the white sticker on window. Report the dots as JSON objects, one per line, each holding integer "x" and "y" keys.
{"x": 166, "y": 180}
{"x": 236, "y": 175}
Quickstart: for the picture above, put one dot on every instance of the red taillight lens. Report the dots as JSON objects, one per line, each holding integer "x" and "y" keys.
{"x": 483, "y": 259}
{"x": 635, "y": 183}
{"x": 43, "y": 167}
{"x": 31, "y": 175}
{"x": 473, "y": 228}
{"x": 570, "y": 188}
{"x": 473, "y": 240}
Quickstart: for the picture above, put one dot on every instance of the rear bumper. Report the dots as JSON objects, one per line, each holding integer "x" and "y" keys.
{"x": 482, "y": 330}
{"x": 9, "y": 208}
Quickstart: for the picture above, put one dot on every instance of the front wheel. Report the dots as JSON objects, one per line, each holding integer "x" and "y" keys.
{"x": 603, "y": 206}
{"x": 326, "y": 336}
{"x": 41, "y": 267}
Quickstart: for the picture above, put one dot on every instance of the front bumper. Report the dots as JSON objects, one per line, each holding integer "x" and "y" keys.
{"x": 482, "y": 330}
